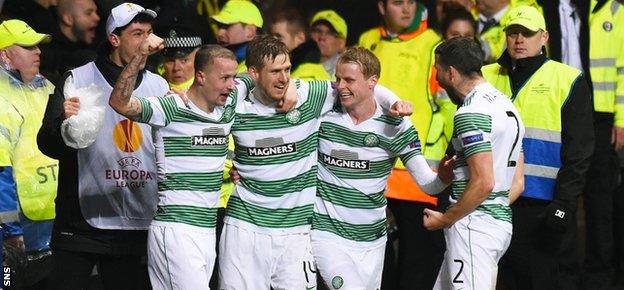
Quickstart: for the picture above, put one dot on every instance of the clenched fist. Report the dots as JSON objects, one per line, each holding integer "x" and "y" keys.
{"x": 71, "y": 107}
{"x": 151, "y": 45}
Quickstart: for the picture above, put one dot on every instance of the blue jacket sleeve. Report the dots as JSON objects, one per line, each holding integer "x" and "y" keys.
{"x": 9, "y": 216}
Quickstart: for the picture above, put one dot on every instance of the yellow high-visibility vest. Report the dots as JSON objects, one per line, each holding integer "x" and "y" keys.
{"x": 539, "y": 102}
{"x": 406, "y": 69}
{"x": 605, "y": 47}
{"x": 21, "y": 112}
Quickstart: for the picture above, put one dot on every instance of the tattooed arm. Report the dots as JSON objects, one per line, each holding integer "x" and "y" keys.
{"x": 121, "y": 99}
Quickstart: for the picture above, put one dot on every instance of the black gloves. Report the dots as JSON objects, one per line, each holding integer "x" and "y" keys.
{"x": 557, "y": 216}
{"x": 555, "y": 221}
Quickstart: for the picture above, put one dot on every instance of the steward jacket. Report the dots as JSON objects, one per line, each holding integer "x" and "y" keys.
{"x": 577, "y": 132}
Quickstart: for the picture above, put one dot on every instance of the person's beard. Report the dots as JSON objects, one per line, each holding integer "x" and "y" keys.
{"x": 455, "y": 96}
{"x": 80, "y": 34}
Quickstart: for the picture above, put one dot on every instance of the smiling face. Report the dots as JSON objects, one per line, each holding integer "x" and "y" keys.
{"x": 523, "y": 43}
{"x": 352, "y": 86}
{"x": 273, "y": 77}
{"x": 218, "y": 80}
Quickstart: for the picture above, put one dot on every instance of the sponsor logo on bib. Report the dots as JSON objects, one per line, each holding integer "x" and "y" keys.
{"x": 130, "y": 174}
{"x": 127, "y": 136}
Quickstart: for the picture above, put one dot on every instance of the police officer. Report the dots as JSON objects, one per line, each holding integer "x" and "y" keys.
{"x": 179, "y": 57}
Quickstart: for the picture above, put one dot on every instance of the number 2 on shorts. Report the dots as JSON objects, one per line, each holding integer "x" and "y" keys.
{"x": 461, "y": 268}
{"x": 512, "y": 163}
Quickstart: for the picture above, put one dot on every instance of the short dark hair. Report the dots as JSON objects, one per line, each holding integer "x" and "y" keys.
{"x": 385, "y": 2}
{"x": 462, "y": 53}
{"x": 264, "y": 47}
{"x": 325, "y": 23}
{"x": 207, "y": 53}
{"x": 295, "y": 21}
{"x": 368, "y": 62}
{"x": 455, "y": 12}
{"x": 139, "y": 18}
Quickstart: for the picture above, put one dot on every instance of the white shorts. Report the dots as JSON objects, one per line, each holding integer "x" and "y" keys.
{"x": 250, "y": 260}
{"x": 180, "y": 256}
{"x": 343, "y": 266}
{"x": 474, "y": 245}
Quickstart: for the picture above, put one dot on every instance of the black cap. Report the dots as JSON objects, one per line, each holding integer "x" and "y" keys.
{"x": 180, "y": 42}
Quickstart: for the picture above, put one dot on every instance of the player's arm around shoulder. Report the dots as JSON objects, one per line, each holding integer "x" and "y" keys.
{"x": 389, "y": 101}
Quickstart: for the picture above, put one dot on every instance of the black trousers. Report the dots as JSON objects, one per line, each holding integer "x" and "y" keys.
{"x": 420, "y": 251}
{"x": 530, "y": 262}
{"x": 598, "y": 268}
{"x": 72, "y": 270}
{"x": 618, "y": 230}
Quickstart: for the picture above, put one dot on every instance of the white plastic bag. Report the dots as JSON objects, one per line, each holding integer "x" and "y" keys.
{"x": 81, "y": 130}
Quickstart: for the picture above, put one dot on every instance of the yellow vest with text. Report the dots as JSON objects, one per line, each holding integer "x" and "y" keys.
{"x": 605, "y": 48}
{"x": 35, "y": 174}
{"x": 406, "y": 67}
{"x": 406, "y": 70}
{"x": 539, "y": 102}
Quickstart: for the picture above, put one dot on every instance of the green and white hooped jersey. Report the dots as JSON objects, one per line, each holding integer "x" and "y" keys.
{"x": 354, "y": 164}
{"x": 191, "y": 147}
{"x": 276, "y": 158}
{"x": 488, "y": 122}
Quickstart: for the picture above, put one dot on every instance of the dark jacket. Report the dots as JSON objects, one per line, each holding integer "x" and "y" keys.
{"x": 62, "y": 55}
{"x": 41, "y": 19}
{"x": 577, "y": 129}
{"x": 71, "y": 231}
